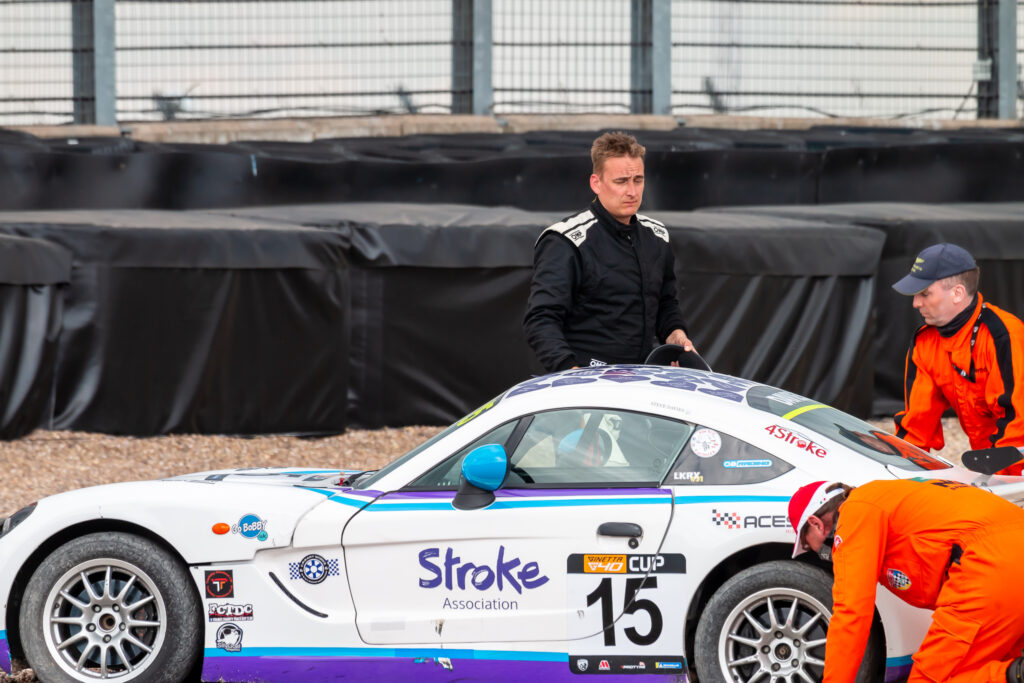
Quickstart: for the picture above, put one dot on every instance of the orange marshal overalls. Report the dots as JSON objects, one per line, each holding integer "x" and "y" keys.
{"x": 902, "y": 534}
{"x": 988, "y": 401}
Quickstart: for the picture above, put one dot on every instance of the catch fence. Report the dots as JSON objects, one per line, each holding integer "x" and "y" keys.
{"x": 115, "y": 61}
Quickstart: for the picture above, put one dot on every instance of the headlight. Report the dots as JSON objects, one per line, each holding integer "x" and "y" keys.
{"x": 16, "y": 519}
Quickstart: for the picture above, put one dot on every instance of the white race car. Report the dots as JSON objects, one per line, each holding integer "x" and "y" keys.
{"x": 608, "y": 521}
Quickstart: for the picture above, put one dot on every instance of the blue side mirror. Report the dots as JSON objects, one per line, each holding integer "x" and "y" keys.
{"x": 485, "y": 467}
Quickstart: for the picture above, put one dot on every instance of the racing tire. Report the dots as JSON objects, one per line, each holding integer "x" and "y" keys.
{"x": 111, "y": 606}
{"x": 728, "y": 647}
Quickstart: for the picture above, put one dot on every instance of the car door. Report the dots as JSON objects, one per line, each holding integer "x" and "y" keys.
{"x": 582, "y": 503}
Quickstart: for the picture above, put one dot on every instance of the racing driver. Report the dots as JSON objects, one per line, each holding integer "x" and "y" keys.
{"x": 604, "y": 284}
{"x": 938, "y": 545}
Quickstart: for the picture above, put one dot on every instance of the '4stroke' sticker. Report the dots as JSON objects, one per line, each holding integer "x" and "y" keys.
{"x": 623, "y": 613}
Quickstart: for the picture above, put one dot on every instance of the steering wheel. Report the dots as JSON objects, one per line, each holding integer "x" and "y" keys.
{"x": 522, "y": 474}
{"x": 666, "y": 354}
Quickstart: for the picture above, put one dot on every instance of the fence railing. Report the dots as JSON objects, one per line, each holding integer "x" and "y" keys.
{"x": 112, "y": 61}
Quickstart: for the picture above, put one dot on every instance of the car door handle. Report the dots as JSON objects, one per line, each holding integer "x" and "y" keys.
{"x": 627, "y": 529}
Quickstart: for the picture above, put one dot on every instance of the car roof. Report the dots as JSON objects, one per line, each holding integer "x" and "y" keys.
{"x": 604, "y": 381}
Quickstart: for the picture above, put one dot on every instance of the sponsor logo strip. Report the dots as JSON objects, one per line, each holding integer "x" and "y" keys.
{"x": 492, "y": 655}
{"x": 625, "y": 664}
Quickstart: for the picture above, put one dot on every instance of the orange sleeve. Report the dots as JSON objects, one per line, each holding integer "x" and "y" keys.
{"x": 857, "y": 562}
{"x": 920, "y": 421}
{"x": 1004, "y": 390}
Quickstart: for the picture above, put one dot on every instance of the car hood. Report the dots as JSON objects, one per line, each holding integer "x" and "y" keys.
{"x": 216, "y": 516}
{"x": 271, "y": 476}
{"x": 1010, "y": 488}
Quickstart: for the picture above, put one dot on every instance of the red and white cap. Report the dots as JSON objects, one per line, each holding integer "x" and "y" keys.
{"x": 805, "y": 502}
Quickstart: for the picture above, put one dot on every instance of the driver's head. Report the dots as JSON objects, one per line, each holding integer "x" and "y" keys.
{"x": 592, "y": 454}
{"x": 618, "y": 177}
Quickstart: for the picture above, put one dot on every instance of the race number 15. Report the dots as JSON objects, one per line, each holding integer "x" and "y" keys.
{"x": 615, "y": 595}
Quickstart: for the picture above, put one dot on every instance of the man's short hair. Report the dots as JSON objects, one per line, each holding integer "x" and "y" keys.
{"x": 611, "y": 145}
{"x": 969, "y": 279}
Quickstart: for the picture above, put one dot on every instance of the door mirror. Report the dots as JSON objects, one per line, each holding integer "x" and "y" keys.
{"x": 483, "y": 471}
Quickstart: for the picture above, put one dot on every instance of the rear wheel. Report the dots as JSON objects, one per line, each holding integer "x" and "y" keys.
{"x": 768, "y": 623}
{"x": 111, "y": 606}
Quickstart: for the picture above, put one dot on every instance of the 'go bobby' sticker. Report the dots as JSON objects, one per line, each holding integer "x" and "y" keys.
{"x": 251, "y": 526}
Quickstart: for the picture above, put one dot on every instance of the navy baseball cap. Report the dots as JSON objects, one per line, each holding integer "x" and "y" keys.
{"x": 935, "y": 263}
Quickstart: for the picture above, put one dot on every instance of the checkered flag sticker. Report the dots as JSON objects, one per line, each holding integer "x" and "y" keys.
{"x": 295, "y": 569}
{"x": 730, "y": 520}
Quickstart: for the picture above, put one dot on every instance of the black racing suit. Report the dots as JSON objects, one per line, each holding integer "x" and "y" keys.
{"x": 602, "y": 291}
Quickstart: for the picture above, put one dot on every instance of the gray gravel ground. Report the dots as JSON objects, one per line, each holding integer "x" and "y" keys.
{"x": 45, "y": 463}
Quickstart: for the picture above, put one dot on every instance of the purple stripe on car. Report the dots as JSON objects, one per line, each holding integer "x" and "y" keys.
{"x": 898, "y": 673}
{"x": 611, "y": 491}
{"x": 423, "y": 670}
{"x": 5, "y": 656}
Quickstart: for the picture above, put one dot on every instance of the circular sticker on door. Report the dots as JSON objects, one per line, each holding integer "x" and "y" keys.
{"x": 706, "y": 443}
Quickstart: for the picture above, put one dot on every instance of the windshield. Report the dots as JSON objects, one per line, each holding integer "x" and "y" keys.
{"x": 851, "y": 432}
{"x": 368, "y": 482}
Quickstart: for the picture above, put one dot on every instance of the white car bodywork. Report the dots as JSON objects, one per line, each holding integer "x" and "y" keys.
{"x": 390, "y": 580}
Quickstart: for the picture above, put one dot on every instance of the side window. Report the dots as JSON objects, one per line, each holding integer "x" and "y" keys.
{"x": 711, "y": 457}
{"x": 448, "y": 474}
{"x": 582, "y": 447}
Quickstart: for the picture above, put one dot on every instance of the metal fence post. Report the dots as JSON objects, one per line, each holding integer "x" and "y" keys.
{"x": 483, "y": 47}
{"x": 651, "y": 56}
{"x": 462, "y": 56}
{"x": 472, "y": 33}
{"x": 94, "y": 62}
{"x": 640, "y": 56}
{"x": 1007, "y": 59}
{"x": 661, "y": 57}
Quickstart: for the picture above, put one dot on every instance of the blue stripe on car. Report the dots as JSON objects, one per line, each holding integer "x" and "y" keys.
{"x": 683, "y": 500}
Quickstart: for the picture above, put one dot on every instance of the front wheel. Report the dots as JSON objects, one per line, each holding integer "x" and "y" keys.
{"x": 769, "y": 623}
{"x": 111, "y": 606}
